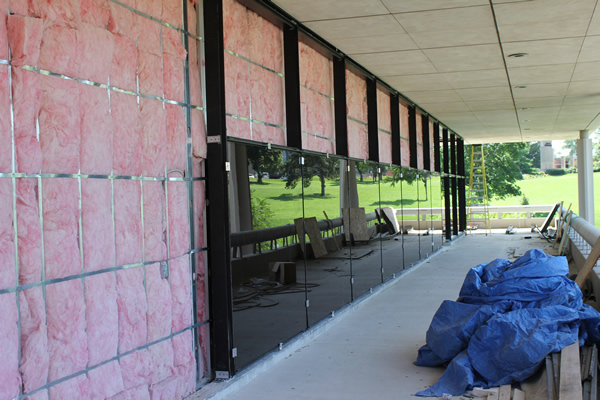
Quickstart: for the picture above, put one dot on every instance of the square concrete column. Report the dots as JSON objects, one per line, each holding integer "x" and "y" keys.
{"x": 585, "y": 173}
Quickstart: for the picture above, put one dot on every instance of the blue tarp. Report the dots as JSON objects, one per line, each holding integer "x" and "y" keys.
{"x": 508, "y": 317}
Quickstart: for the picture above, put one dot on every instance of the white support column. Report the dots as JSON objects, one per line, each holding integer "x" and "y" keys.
{"x": 585, "y": 174}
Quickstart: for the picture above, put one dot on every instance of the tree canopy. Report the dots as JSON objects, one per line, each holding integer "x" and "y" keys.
{"x": 264, "y": 160}
{"x": 322, "y": 167}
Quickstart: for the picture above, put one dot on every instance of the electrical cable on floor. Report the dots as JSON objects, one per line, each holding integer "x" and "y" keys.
{"x": 251, "y": 295}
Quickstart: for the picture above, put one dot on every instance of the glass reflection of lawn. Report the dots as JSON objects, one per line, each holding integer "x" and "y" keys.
{"x": 278, "y": 197}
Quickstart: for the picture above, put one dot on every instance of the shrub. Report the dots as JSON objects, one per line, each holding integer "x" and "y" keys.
{"x": 555, "y": 172}
{"x": 524, "y": 201}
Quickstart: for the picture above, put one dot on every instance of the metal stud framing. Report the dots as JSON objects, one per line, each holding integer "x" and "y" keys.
{"x": 454, "y": 185}
{"x": 396, "y": 141}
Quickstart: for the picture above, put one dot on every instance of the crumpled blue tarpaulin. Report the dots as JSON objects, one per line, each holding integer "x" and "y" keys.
{"x": 508, "y": 317}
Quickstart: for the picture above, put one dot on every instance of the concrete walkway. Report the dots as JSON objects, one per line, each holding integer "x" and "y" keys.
{"x": 368, "y": 352}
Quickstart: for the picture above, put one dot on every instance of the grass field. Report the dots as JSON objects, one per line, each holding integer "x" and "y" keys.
{"x": 286, "y": 204}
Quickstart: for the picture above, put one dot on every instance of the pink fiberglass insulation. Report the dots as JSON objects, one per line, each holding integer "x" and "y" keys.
{"x": 172, "y": 44}
{"x": 173, "y": 78}
{"x": 122, "y": 21}
{"x": 102, "y": 317}
{"x": 150, "y": 74}
{"x": 19, "y": 7}
{"x": 95, "y": 12}
{"x": 235, "y": 27}
{"x": 24, "y": 39}
{"x": 185, "y": 363}
{"x": 179, "y": 228}
{"x": 8, "y": 272}
{"x": 356, "y": 96}
{"x": 155, "y": 222}
{"x": 105, "y": 381}
{"x": 58, "y": 52}
{"x": 34, "y": 339}
{"x": 172, "y": 12}
{"x": 27, "y": 97}
{"x": 158, "y": 293}
{"x": 404, "y": 135}
{"x": 60, "y": 125}
{"x": 64, "y": 12}
{"x": 316, "y": 70}
{"x": 358, "y": 145}
{"x": 150, "y": 7}
{"x": 96, "y": 130}
{"x": 132, "y": 309}
{"x": 41, "y": 395}
{"x": 385, "y": 147}
{"x": 199, "y": 210}
{"x": 384, "y": 119}
{"x": 162, "y": 361}
{"x": 136, "y": 369}
{"x": 419, "y": 141}
{"x": 176, "y": 137}
{"x": 97, "y": 223}
{"x": 136, "y": 393}
{"x": 181, "y": 292}
{"x": 128, "y": 221}
{"x": 166, "y": 389}
{"x": 60, "y": 203}
{"x": 193, "y": 15}
{"x": 95, "y": 47}
{"x": 127, "y": 140}
{"x": 431, "y": 145}
{"x": 237, "y": 86}
{"x": 198, "y": 134}
{"x": 265, "y": 42}
{"x": 67, "y": 340}
{"x": 76, "y": 388}
{"x": 124, "y": 63}
{"x": 266, "y": 96}
{"x": 5, "y": 123}
{"x": 3, "y": 29}
{"x": 148, "y": 35}
{"x": 29, "y": 231}
{"x": 201, "y": 308}
{"x": 204, "y": 341}
{"x": 154, "y": 137}
{"x": 9, "y": 351}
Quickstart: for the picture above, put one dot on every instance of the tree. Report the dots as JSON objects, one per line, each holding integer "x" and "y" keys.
{"x": 534, "y": 157}
{"x": 409, "y": 176}
{"x": 263, "y": 160}
{"x": 324, "y": 168}
{"x": 502, "y": 167}
{"x": 570, "y": 145}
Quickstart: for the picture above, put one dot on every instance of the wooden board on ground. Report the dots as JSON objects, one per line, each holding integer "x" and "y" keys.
{"x": 504, "y": 392}
{"x": 346, "y": 254}
{"x": 518, "y": 394}
{"x": 355, "y": 224}
{"x": 536, "y": 386}
{"x": 565, "y": 236}
{"x": 590, "y": 261}
{"x": 389, "y": 216}
{"x": 570, "y": 373}
{"x": 314, "y": 234}
{"x": 299, "y": 222}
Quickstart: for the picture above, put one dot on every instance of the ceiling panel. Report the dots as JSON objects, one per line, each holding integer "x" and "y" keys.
{"x": 479, "y": 94}
{"x": 586, "y": 71}
{"x": 447, "y": 19}
{"x": 316, "y": 10}
{"x": 559, "y": 73}
{"x": 456, "y": 37}
{"x": 386, "y": 70}
{"x": 411, "y": 83}
{"x": 357, "y": 27}
{"x": 475, "y": 79}
{"x": 453, "y": 107}
{"x": 594, "y": 28}
{"x": 539, "y": 102}
{"x": 379, "y": 43}
{"x": 540, "y": 90}
{"x": 465, "y": 58}
{"x": 543, "y": 52}
{"x": 584, "y": 88}
{"x": 433, "y": 96}
{"x": 392, "y": 57}
{"x": 490, "y": 105}
{"x": 402, "y": 6}
{"x": 528, "y": 12}
{"x": 543, "y": 30}
{"x": 590, "y": 50}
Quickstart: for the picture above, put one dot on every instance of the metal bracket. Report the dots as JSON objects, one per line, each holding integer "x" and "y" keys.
{"x": 221, "y": 374}
{"x": 213, "y": 139}
{"x": 269, "y": 146}
{"x": 234, "y": 352}
{"x": 164, "y": 270}
{"x": 227, "y": 166}
{"x": 301, "y": 160}
{"x": 307, "y": 303}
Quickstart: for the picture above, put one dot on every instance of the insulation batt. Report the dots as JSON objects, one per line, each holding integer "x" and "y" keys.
{"x": 3, "y": 32}
{"x": 404, "y": 135}
{"x": 67, "y": 341}
{"x": 34, "y": 339}
{"x": 176, "y": 137}
{"x": 181, "y": 292}
{"x": 173, "y": 78}
{"x": 76, "y": 388}
{"x": 127, "y": 141}
{"x": 5, "y": 124}
{"x": 356, "y": 89}
{"x": 267, "y": 98}
{"x": 150, "y": 7}
{"x": 165, "y": 390}
{"x": 150, "y": 74}
{"x": 155, "y": 222}
{"x": 128, "y": 224}
{"x": 9, "y": 351}
{"x": 162, "y": 361}
{"x": 102, "y": 317}
{"x": 27, "y": 97}
{"x": 172, "y": 44}
{"x": 136, "y": 393}
{"x": 131, "y": 301}
{"x": 154, "y": 137}
{"x": 64, "y": 12}
{"x": 60, "y": 125}
{"x": 24, "y": 39}
{"x": 8, "y": 272}
{"x": 96, "y": 131}
{"x": 431, "y": 145}
{"x": 158, "y": 293}
{"x": 95, "y": 47}
{"x": 200, "y": 283}
{"x": 122, "y": 21}
{"x": 124, "y": 63}
{"x": 136, "y": 369}
{"x": 105, "y": 381}
{"x": 148, "y": 34}
{"x": 18, "y": 7}
{"x": 265, "y": 42}
{"x": 237, "y": 86}
{"x": 29, "y": 231}
{"x": 204, "y": 341}
{"x": 58, "y": 51}
{"x": 419, "y": 141}
{"x": 358, "y": 146}
{"x": 199, "y": 211}
{"x": 235, "y": 28}
{"x": 60, "y": 202}
{"x": 95, "y": 12}
{"x": 192, "y": 17}
{"x": 179, "y": 231}
{"x": 41, "y": 395}
{"x": 385, "y": 147}
{"x": 172, "y": 12}
{"x": 198, "y": 134}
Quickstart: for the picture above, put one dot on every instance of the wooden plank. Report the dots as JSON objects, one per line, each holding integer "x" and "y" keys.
{"x": 565, "y": 237}
{"x": 550, "y": 379}
{"x": 536, "y": 387}
{"x": 355, "y": 224}
{"x": 493, "y": 396}
{"x": 570, "y": 373}
{"x": 549, "y": 218}
{"x": 590, "y": 261}
{"x": 594, "y": 373}
{"x": 556, "y": 370}
{"x": 389, "y": 216}
{"x": 518, "y": 394}
{"x": 314, "y": 234}
{"x": 299, "y": 222}
{"x": 504, "y": 392}
{"x": 562, "y": 221}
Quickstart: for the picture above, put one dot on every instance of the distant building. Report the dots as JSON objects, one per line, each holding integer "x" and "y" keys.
{"x": 546, "y": 155}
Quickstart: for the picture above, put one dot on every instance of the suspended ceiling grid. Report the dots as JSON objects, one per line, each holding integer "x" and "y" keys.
{"x": 453, "y": 58}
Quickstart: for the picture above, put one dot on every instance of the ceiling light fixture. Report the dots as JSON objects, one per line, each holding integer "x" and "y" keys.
{"x": 519, "y": 87}
{"x": 517, "y": 55}
{"x": 524, "y": 108}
